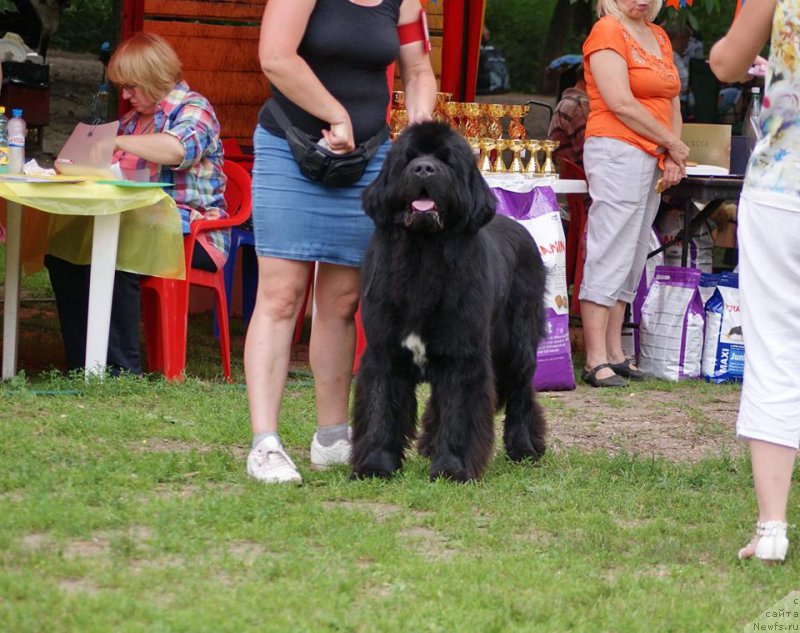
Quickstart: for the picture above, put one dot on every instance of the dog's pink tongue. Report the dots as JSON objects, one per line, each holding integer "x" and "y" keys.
{"x": 422, "y": 205}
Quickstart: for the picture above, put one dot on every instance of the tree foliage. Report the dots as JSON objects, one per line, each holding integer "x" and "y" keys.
{"x": 534, "y": 32}
{"x": 85, "y": 25}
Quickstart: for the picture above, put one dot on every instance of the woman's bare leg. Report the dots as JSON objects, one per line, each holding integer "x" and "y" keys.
{"x": 333, "y": 336}
{"x": 773, "y": 465}
{"x": 596, "y": 320}
{"x": 281, "y": 288}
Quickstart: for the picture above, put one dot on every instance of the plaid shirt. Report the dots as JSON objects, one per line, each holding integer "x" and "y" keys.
{"x": 199, "y": 182}
{"x": 568, "y": 125}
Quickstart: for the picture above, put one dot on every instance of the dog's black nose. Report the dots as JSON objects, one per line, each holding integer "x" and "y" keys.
{"x": 423, "y": 167}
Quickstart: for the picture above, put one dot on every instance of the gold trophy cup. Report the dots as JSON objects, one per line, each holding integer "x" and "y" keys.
{"x": 494, "y": 113}
{"x": 486, "y": 146}
{"x": 501, "y": 145}
{"x": 452, "y": 111}
{"x": 438, "y": 112}
{"x": 516, "y": 113}
{"x": 398, "y": 100}
{"x": 516, "y": 146}
{"x": 549, "y": 167}
{"x": 471, "y": 112}
{"x": 532, "y": 147}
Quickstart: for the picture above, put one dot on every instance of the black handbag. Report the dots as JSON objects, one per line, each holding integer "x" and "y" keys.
{"x": 321, "y": 165}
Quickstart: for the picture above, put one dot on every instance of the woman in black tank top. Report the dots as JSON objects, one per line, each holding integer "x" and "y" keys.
{"x": 326, "y": 61}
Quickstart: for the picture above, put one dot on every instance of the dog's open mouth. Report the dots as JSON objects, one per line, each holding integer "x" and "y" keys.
{"x": 423, "y": 215}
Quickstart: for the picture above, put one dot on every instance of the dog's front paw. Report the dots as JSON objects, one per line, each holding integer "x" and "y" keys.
{"x": 449, "y": 467}
{"x": 378, "y": 463}
{"x": 521, "y": 446}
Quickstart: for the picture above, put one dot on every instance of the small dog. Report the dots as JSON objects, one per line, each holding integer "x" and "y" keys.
{"x": 452, "y": 295}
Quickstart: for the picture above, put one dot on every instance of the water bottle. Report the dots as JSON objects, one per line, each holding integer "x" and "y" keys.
{"x": 3, "y": 141}
{"x": 16, "y": 142}
{"x": 752, "y": 125}
{"x": 99, "y": 111}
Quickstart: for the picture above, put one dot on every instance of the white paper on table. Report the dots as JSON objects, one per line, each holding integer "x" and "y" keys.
{"x": 707, "y": 170}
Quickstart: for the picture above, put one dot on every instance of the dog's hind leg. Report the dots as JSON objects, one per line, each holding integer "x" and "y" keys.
{"x": 384, "y": 418}
{"x": 524, "y": 426}
{"x": 430, "y": 424}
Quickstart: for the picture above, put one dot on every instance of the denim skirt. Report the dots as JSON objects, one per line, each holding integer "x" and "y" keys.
{"x": 296, "y": 218}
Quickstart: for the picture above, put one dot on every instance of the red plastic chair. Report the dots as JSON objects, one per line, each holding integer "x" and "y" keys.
{"x": 576, "y": 241}
{"x": 165, "y": 302}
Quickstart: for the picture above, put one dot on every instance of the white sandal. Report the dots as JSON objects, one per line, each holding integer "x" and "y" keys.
{"x": 771, "y": 543}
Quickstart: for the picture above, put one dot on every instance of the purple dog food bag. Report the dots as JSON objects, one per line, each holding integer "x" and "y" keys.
{"x": 671, "y": 329}
{"x": 538, "y": 211}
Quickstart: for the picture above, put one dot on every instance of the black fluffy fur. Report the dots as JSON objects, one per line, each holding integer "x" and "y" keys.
{"x": 470, "y": 285}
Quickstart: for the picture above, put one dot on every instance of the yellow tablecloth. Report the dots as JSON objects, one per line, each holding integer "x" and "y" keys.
{"x": 58, "y": 220}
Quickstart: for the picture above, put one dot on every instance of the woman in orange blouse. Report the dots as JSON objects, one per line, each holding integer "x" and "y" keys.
{"x": 632, "y": 141}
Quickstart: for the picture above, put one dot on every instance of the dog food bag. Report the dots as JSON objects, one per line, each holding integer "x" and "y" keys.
{"x": 701, "y": 246}
{"x": 651, "y": 263}
{"x": 708, "y": 284}
{"x": 537, "y": 210}
{"x": 672, "y": 324}
{"x": 723, "y": 351}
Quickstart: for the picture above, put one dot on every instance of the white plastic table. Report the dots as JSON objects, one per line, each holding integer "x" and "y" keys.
{"x": 522, "y": 183}
{"x": 106, "y": 203}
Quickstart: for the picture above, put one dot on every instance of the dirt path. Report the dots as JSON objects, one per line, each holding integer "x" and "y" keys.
{"x": 676, "y": 424}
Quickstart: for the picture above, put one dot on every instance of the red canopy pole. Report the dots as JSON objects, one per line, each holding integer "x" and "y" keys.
{"x": 132, "y": 17}
{"x": 463, "y": 25}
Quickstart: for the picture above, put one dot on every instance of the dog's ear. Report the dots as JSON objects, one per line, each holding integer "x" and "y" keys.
{"x": 482, "y": 201}
{"x": 379, "y": 198}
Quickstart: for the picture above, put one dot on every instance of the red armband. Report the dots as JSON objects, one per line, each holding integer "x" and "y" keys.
{"x": 416, "y": 32}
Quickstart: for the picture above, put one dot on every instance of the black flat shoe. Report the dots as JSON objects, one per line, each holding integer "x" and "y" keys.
{"x": 589, "y": 376}
{"x": 626, "y": 369}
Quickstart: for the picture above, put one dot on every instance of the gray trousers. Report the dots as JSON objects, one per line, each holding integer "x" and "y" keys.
{"x": 622, "y": 181}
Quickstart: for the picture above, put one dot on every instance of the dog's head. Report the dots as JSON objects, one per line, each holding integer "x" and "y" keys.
{"x": 430, "y": 183}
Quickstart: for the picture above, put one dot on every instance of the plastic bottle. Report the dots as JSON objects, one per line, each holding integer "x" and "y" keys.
{"x": 752, "y": 126}
{"x": 17, "y": 131}
{"x": 3, "y": 141}
{"x": 755, "y": 101}
{"x": 99, "y": 111}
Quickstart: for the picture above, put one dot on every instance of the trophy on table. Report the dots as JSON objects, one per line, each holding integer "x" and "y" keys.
{"x": 486, "y": 146}
{"x": 516, "y": 146}
{"x": 398, "y": 123}
{"x": 439, "y": 113}
{"x": 471, "y": 119}
{"x": 533, "y": 146}
{"x": 501, "y": 144}
{"x": 494, "y": 112}
{"x": 549, "y": 167}
{"x": 516, "y": 128}
{"x": 451, "y": 111}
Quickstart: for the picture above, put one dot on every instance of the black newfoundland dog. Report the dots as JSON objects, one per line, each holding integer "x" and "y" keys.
{"x": 452, "y": 295}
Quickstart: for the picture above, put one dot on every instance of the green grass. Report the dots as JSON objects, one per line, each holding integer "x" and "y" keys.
{"x": 124, "y": 506}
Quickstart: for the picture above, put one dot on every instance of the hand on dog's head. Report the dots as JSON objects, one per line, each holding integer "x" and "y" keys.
{"x": 430, "y": 182}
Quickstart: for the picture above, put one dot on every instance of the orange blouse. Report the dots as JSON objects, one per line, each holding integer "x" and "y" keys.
{"x": 654, "y": 81}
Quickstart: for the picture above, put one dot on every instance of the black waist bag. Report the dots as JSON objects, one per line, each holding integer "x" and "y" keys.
{"x": 320, "y": 165}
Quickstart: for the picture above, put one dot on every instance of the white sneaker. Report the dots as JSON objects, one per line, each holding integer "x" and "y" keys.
{"x": 324, "y": 456}
{"x": 268, "y": 462}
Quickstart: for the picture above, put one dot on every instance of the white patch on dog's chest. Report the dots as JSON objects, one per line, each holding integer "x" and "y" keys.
{"x": 413, "y": 343}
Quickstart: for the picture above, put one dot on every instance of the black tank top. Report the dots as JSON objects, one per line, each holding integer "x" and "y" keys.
{"x": 348, "y": 47}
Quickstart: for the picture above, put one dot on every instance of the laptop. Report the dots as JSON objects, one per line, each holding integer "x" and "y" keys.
{"x": 88, "y": 151}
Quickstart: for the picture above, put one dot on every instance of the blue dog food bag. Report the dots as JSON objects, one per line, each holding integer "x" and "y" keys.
{"x": 723, "y": 351}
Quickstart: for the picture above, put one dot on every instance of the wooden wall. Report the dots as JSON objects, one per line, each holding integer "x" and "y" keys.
{"x": 217, "y": 42}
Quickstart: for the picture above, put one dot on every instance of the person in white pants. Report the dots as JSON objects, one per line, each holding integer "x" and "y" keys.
{"x": 768, "y": 233}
